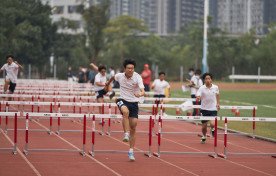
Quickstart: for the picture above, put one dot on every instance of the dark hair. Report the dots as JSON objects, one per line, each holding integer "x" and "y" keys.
{"x": 191, "y": 69}
{"x": 207, "y": 74}
{"x": 101, "y": 67}
{"x": 198, "y": 72}
{"x": 129, "y": 61}
{"x": 162, "y": 73}
{"x": 8, "y": 56}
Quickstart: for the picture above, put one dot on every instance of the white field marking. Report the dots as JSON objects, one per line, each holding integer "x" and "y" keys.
{"x": 250, "y": 104}
{"x": 100, "y": 163}
{"x": 169, "y": 163}
{"x": 250, "y": 168}
{"x": 22, "y": 155}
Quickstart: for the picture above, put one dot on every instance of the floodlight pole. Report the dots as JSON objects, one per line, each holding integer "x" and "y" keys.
{"x": 205, "y": 67}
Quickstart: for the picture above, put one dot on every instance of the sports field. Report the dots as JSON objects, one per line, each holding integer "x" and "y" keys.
{"x": 246, "y": 94}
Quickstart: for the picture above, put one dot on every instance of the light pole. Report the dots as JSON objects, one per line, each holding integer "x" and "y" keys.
{"x": 205, "y": 67}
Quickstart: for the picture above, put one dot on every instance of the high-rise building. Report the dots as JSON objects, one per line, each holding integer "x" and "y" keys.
{"x": 269, "y": 12}
{"x": 188, "y": 11}
{"x": 239, "y": 16}
{"x": 67, "y": 9}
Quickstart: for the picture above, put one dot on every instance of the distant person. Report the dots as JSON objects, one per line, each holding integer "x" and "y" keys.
{"x": 11, "y": 68}
{"x": 146, "y": 75}
{"x": 160, "y": 85}
{"x": 191, "y": 73}
{"x": 91, "y": 76}
{"x": 100, "y": 81}
{"x": 131, "y": 88}
{"x": 209, "y": 96}
{"x": 81, "y": 75}
{"x": 69, "y": 74}
{"x": 195, "y": 83}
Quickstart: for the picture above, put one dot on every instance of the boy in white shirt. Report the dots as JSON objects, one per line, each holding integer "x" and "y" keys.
{"x": 11, "y": 69}
{"x": 209, "y": 96}
{"x": 195, "y": 83}
{"x": 159, "y": 86}
{"x": 131, "y": 88}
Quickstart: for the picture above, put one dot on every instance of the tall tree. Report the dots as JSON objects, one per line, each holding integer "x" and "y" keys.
{"x": 26, "y": 31}
{"x": 96, "y": 18}
{"x": 122, "y": 29}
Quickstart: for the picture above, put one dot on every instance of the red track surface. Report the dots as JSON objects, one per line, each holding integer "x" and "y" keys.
{"x": 72, "y": 163}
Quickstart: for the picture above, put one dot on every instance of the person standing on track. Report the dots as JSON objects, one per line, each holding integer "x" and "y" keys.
{"x": 146, "y": 75}
{"x": 131, "y": 88}
{"x": 209, "y": 96}
{"x": 11, "y": 69}
{"x": 195, "y": 83}
{"x": 159, "y": 86}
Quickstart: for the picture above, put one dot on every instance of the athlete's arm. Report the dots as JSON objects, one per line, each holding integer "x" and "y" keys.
{"x": 18, "y": 64}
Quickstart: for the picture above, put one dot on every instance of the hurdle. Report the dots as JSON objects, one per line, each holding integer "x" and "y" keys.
{"x": 242, "y": 119}
{"x": 185, "y": 118}
{"x": 27, "y": 149}
{"x": 93, "y": 151}
{"x": 15, "y": 115}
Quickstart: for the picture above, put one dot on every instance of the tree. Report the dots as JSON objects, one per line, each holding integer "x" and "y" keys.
{"x": 96, "y": 18}
{"x": 120, "y": 31}
{"x": 26, "y": 31}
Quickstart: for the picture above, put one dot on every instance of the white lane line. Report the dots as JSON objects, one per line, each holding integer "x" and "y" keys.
{"x": 72, "y": 145}
{"x": 167, "y": 162}
{"x": 227, "y": 160}
{"x": 22, "y": 155}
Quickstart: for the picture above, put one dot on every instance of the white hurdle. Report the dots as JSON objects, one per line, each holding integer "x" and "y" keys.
{"x": 243, "y": 119}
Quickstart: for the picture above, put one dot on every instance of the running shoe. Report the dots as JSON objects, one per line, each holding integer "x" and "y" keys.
{"x": 131, "y": 156}
{"x": 126, "y": 137}
{"x": 203, "y": 140}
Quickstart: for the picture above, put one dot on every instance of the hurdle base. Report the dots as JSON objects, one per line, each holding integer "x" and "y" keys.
{"x": 156, "y": 155}
{"x": 49, "y": 132}
{"x": 57, "y": 132}
{"x": 101, "y": 133}
{"x": 148, "y": 154}
{"x": 107, "y": 133}
{"x": 273, "y": 156}
{"x": 25, "y": 152}
{"x": 213, "y": 155}
{"x": 92, "y": 153}
{"x": 221, "y": 155}
{"x": 82, "y": 153}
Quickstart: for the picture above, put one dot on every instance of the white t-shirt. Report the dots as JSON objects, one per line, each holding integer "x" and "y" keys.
{"x": 197, "y": 82}
{"x": 208, "y": 97}
{"x": 160, "y": 86}
{"x": 11, "y": 71}
{"x": 129, "y": 86}
{"x": 99, "y": 78}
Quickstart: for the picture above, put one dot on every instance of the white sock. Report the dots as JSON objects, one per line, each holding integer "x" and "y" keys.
{"x": 126, "y": 133}
{"x": 131, "y": 150}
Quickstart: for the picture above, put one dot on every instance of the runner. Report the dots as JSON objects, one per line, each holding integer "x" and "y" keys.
{"x": 11, "y": 69}
{"x": 131, "y": 88}
{"x": 209, "y": 96}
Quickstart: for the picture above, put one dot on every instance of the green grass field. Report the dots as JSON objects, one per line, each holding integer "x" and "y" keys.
{"x": 265, "y": 100}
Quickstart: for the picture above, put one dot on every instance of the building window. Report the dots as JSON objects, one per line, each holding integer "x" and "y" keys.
{"x": 74, "y": 8}
{"x": 58, "y": 10}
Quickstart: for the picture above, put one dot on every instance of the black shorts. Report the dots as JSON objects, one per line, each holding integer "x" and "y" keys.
{"x": 158, "y": 96}
{"x": 208, "y": 113}
{"x": 131, "y": 106}
{"x": 12, "y": 87}
{"x": 147, "y": 87}
{"x": 100, "y": 93}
